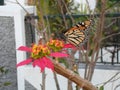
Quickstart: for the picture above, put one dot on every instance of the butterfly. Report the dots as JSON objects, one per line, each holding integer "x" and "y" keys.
{"x": 77, "y": 35}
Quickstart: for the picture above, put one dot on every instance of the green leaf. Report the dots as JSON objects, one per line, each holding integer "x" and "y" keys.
{"x": 2, "y": 69}
{"x": 101, "y": 87}
{"x": 7, "y": 84}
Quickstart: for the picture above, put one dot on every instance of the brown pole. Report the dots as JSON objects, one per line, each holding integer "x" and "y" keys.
{"x": 86, "y": 85}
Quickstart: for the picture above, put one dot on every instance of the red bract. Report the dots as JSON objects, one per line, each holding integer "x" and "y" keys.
{"x": 58, "y": 54}
{"x": 27, "y": 61}
{"x": 69, "y": 46}
{"x": 24, "y": 48}
{"x": 42, "y": 63}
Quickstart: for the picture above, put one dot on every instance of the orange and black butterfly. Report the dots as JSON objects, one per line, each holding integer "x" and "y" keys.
{"x": 78, "y": 34}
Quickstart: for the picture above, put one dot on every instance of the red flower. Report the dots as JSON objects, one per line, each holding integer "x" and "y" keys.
{"x": 39, "y": 57}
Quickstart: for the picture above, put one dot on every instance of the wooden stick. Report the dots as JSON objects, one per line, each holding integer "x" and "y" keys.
{"x": 86, "y": 85}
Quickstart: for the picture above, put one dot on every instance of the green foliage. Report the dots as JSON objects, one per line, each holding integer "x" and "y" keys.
{"x": 115, "y": 28}
{"x": 63, "y": 61}
{"x": 54, "y": 11}
{"x": 101, "y": 88}
{"x": 112, "y": 6}
{"x": 98, "y": 6}
{"x": 3, "y": 72}
{"x": 7, "y": 83}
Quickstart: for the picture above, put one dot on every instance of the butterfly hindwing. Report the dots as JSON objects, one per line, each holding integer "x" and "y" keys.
{"x": 76, "y": 38}
{"x": 78, "y": 34}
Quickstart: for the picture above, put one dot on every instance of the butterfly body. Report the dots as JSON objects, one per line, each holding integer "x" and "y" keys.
{"x": 78, "y": 34}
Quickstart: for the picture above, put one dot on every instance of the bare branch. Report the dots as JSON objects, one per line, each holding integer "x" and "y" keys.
{"x": 68, "y": 11}
{"x": 56, "y": 81}
{"x": 110, "y": 24}
{"x": 86, "y": 85}
{"x": 63, "y": 16}
{"x": 117, "y": 86}
{"x": 109, "y": 36}
{"x": 43, "y": 81}
{"x": 22, "y": 7}
{"x": 108, "y": 81}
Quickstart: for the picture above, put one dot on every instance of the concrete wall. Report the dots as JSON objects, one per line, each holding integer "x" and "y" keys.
{"x": 8, "y": 52}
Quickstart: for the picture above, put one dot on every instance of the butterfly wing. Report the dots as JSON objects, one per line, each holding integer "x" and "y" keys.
{"x": 76, "y": 37}
{"x": 78, "y": 34}
{"x": 82, "y": 26}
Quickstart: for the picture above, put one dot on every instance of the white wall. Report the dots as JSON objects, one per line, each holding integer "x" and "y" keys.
{"x": 34, "y": 76}
{"x": 101, "y": 76}
{"x": 13, "y": 2}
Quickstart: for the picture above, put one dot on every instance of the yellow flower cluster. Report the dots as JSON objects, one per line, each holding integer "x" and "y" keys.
{"x": 39, "y": 51}
{"x": 55, "y": 45}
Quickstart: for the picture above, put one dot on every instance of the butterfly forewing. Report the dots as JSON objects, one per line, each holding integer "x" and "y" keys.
{"x": 82, "y": 25}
